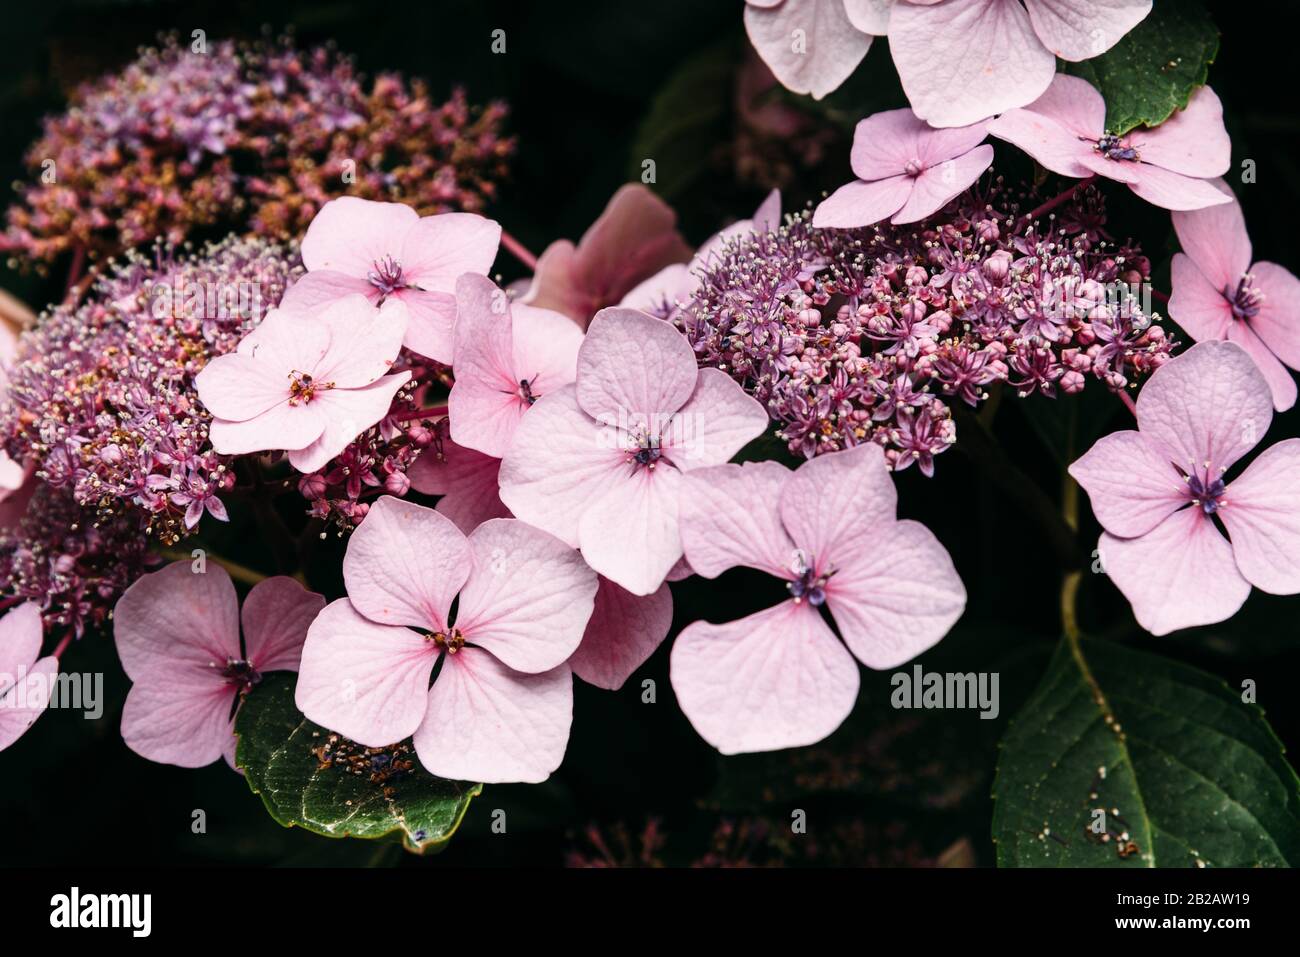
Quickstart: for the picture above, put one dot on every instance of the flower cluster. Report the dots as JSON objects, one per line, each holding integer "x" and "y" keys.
{"x": 869, "y": 334}
{"x": 255, "y": 137}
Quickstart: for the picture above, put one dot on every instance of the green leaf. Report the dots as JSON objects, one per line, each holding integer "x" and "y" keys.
{"x": 279, "y": 753}
{"x": 1153, "y": 70}
{"x": 1180, "y": 767}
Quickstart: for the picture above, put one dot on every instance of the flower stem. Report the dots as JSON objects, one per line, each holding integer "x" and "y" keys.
{"x": 518, "y": 250}
{"x": 1054, "y": 202}
{"x": 62, "y": 646}
{"x": 1128, "y": 402}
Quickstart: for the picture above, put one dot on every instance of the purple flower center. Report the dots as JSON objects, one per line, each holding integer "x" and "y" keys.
{"x": 450, "y": 641}
{"x": 303, "y": 388}
{"x": 913, "y": 168}
{"x": 1204, "y": 490}
{"x": 386, "y": 276}
{"x": 809, "y": 586}
{"x": 1246, "y": 300}
{"x": 241, "y": 674}
{"x": 1114, "y": 148}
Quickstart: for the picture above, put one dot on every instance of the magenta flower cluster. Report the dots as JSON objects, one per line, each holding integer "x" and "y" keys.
{"x": 872, "y": 334}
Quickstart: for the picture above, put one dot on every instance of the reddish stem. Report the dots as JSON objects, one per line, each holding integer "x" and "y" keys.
{"x": 74, "y": 270}
{"x": 434, "y": 413}
{"x": 1160, "y": 295}
{"x": 63, "y": 644}
{"x": 1055, "y": 201}
{"x": 518, "y": 250}
{"x": 1128, "y": 401}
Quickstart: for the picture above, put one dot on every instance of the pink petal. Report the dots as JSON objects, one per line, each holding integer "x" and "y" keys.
{"x": 1059, "y": 128}
{"x": 768, "y": 215}
{"x": 730, "y": 515}
{"x": 347, "y": 413}
{"x": 350, "y": 234}
{"x": 632, "y": 367}
{"x": 1081, "y": 29}
{"x": 884, "y": 144}
{"x": 716, "y": 422}
{"x": 430, "y": 330}
{"x": 932, "y": 190}
{"x": 896, "y": 595}
{"x": 623, "y": 632}
{"x": 288, "y": 340}
{"x": 466, "y": 480}
{"x": 1279, "y": 378}
{"x": 283, "y": 426}
{"x": 964, "y": 60}
{"x": 555, "y": 284}
{"x": 21, "y": 632}
{"x": 488, "y": 723}
{"x": 276, "y": 615}
{"x": 364, "y": 341}
{"x": 239, "y": 387}
{"x": 1208, "y": 405}
{"x": 830, "y": 504}
{"x": 1075, "y": 105}
{"x": 559, "y": 465}
{"x": 1192, "y": 142}
{"x": 630, "y": 534}
{"x": 546, "y": 347}
{"x": 1216, "y": 240}
{"x": 363, "y": 680}
{"x": 180, "y": 723}
{"x": 669, "y": 286}
{"x": 174, "y": 625}
{"x": 869, "y": 16}
{"x": 318, "y": 289}
{"x": 1261, "y": 511}
{"x": 1174, "y": 191}
{"x": 38, "y": 680}
{"x": 775, "y": 679}
{"x": 439, "y": 249}
{"x": 1178, "y": 575}
{"x": 404, "y": 565}
{"x": 863, "y": 204}
{"x": 485, "y": 404}
{"x": 1278, "y": 321}
{"x": 810, "y": 47}
{"x": 528, "y": 596}
{"x": 1195, "y": 303}
{"x": 1133, "y": 487}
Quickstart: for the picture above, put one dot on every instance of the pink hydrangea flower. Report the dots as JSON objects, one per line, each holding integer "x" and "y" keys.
{"x": 599, "y": 463}
{"x": 1161, "y": 493}
{"x": 781, "y": 678}
{"x": 388, "y": 251}
{"x": 1169, "y": 166}
{"x": 634, "y": 238}
{"x": 812, "y": 46}
{"x": 25, "y": 677}
{"x": 177, "y": 633}
{"x": 507, "y": 357}
{"x": 466, "y": 480}
{"x": 1218, "y": 294}
{"x": 306, "y": 384}
{"x": 624, "y": 631}
{"x": 500, "y": 707}
{"x": 964, "y": 60}
{"x": 905, "y": 170}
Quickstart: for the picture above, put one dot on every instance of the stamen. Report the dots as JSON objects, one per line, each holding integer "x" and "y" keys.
{"x": 386, "y": 276}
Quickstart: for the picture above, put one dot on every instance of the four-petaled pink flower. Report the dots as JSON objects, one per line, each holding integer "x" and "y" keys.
{"x": 599, "y": 463}
{"x": 388, "y": 251}
{"x": 780, "y": 678}
{"x": 905, "y": 170}
{"x": 500, "y": 707}
{"x": 1161, "y": 492}
{"x": 26, "y": 679}
{"x": 507, "y": 357}
{"x": 1218, "y": 294}
{"x": 306, "y": 384}
{"x": 1169, "y": 166}
{"x": 177, "y": 633}
{"x": 634, "y": 238}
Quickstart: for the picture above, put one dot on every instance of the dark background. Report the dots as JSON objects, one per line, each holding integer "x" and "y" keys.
{"x": 890, "y": 787}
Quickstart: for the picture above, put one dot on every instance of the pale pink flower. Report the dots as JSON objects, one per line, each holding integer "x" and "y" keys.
{"x": 500, "y": 707}
{"x": 1218, "y": 294}
{"x": 781, "y": 678}
{"x": 466, "y": 480}
{"x": 507, "y": 357}
{"x": 599, "y": 463}
{"x": 25, "y": 677}
{"x": 623, "y": 632}
{"x": 905, "y": 170}
{"x": 388, "y": 251}
{"x": 1169, "y": 166}
{"x": 812, "y": 46}
{"x": 306, "y": 384}
{"x": 634, "y": 238}
{"x": 177, "y": 633}
{"x": 964, "y": 60}
{"x": 1160, "y": 493}
{"x": 661, "y": 293}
